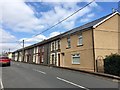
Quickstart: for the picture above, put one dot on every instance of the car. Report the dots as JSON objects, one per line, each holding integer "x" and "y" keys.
{"x": 4, "y": 61}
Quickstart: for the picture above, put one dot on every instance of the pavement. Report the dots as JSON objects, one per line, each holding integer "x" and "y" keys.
{"x": 23, "y": 75}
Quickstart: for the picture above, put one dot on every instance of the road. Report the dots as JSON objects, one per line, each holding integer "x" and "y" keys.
{"x": 23, "y": 75}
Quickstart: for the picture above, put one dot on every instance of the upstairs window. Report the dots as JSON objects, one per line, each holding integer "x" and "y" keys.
{"x": 68, "y": 42}
{"x": 58, "y": 44}
{"x": 38, "y": 49}
{"x": 43, "y": 49}
{"x": 80, "y": 39}
{"x": 52, "y": 46}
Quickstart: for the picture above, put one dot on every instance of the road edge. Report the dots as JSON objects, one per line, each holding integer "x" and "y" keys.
{"x": 88, "y": 72}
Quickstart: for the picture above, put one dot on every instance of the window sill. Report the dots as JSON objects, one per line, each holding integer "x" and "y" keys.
{"x": 75, "y": 63}
{"x": 79, "y": 45}
{"x": 68, "y": 47}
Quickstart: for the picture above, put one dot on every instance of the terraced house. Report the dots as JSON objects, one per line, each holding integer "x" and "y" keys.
{"x": 84, "y": 47}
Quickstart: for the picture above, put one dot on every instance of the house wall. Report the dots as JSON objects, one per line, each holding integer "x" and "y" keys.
{"x": 54, "y": 52}
{"x": 85, "y": 51}
{"x": 20, "y": 56}
{"x": 119, "y": 34}
{"x": 26, "y": 58}
{"x": 16, "y": 56}
{"x": 106, "y": 39}
{"x": 47, "y": 53}
{"x": 35, "y": 55}
{"x": 31, "y": 55}
{"x": 13, "y": 56}
{"x": 41, "y": 55}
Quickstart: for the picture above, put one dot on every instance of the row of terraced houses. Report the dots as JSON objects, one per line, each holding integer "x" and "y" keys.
{"x": 83, "y": 48}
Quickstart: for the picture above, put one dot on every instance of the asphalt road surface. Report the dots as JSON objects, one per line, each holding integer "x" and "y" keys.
{"x": 22, "y": 75}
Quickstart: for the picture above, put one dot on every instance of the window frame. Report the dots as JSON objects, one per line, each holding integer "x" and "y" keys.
{"x": 53, "y": 46}
{"x": 80, "y": 37}
{"x": 75, "y": 55}
{"x": 68, "y": 42}
{"x": 58, "y": 44}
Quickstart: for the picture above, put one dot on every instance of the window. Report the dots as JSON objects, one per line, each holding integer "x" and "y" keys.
{"x": 76, "y": 59}
{"x": 38, "y": 49}
{"x": 68, "y": 41}
{"x": 43, "y": 49}
{"x": 80, "y": 39}
{"x": 52, "y": 59}
{"x": 52, "y": 46}
{"x": 42, "y": 60}
{"x": 58, "y": 44}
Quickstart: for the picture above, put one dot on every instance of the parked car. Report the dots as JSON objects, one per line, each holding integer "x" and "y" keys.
{"x": 4, "y": 61}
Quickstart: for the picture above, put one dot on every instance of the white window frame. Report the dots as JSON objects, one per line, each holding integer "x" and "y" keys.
{"x": 43, "y": 49}
{"x": 53, "y": 46}
{"x": 58, "y": 44}
{"x": 68, "y": 42}
{"x": 80, "y": 39}
{"x": 42, "y": 58}
{"x": 77, "y": 56}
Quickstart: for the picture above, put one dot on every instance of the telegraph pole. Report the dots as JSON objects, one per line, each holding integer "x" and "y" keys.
{"x": 23, "y": 43}
{"x": 23, "y": 52}
{"x": 9, "y": 50}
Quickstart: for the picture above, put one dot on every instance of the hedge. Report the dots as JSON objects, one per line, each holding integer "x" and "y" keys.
{"x": 112, "y": 64}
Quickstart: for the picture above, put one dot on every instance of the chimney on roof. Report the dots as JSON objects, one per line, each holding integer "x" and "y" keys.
{"x": 113, "y": 10}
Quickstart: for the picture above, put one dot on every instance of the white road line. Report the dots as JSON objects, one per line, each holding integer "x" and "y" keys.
{"x": 1, "y": 84}
{"x": 39, "y": 71}
{"x": 72, "y": 83}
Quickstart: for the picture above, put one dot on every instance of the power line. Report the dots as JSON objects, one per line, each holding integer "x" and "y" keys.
{"x": 64, "y": 19}
{"x": 19, "y": 43}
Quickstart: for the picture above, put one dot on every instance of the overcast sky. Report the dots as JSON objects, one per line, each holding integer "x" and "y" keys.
{"x": 23, "y": 19}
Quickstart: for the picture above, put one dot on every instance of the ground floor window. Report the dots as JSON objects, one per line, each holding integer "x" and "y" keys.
{"x": 42, "y": 60}
{"x": 76, "y": 59}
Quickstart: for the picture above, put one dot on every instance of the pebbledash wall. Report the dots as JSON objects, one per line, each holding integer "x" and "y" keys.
{"x": 82, "y": 48}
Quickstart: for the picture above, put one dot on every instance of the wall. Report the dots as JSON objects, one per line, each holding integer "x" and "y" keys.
{"x": 55, "y": 61}
{"x": 47, "y": 53}
{"x": 106, "y": 39}
{"x": 119, "y": 33}
{"x": 85, "y": 51}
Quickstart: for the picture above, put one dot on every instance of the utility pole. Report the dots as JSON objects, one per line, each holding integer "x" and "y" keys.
{"x": 9, "y": 50}
{"x": 23, "y": 52}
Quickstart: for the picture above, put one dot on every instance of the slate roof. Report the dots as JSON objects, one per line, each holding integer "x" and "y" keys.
{"x": 80, "y": 28}
{"x": 87, "y": 26}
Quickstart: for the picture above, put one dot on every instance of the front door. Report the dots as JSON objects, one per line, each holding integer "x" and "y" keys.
{"x": 58, "y": 59}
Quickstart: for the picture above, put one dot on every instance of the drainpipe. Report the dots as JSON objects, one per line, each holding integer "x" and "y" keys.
{"x": 93, "y": 49}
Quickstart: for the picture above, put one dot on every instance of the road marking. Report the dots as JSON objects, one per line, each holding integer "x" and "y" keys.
{"x": 72, "y": 83}
{"x": 39, "y": 71}
{"x": 1, "y": 84}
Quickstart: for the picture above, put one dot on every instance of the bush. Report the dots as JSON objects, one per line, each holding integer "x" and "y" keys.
{"x": 112, "y": 64}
